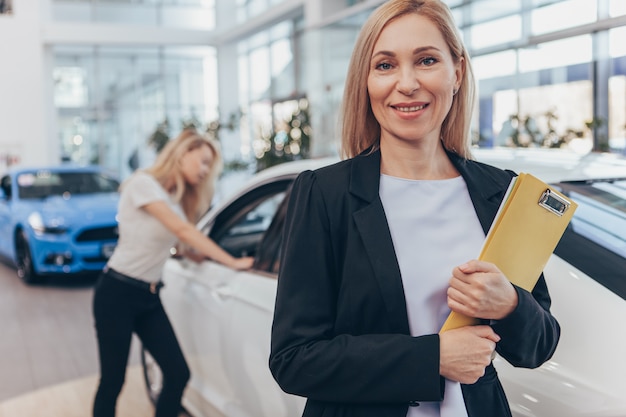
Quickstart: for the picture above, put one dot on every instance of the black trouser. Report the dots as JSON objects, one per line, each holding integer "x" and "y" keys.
{"x": 119, "y": 310}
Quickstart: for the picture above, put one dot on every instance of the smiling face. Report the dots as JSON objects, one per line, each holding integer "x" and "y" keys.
{"x": 196, "y": 164}
{"x": 412, "y": 79}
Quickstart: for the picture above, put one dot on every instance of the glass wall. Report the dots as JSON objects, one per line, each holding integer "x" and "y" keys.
{"x": 267, "y": 76}
{"x": 563, "y": 15}
{"x": 550, "y": 73}
{"x": 553, "y": 75}
{"x": 187, "y": 14}
{"x": 248, "y": 9}
{"x": 325, "y": 63}
{"x": 537, "y": 96}
{"x": 111, "y": 100}
{"x": 617, "y": 85}
{"x": 284, "y": 64}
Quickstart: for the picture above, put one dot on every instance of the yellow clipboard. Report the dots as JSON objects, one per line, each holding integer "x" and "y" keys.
{"x": 528, "y": 225}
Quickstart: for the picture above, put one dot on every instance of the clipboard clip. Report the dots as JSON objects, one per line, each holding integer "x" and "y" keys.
{"x": 553, "y": 202}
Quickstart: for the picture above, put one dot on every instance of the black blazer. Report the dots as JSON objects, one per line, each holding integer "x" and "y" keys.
{"x": 340, "y": 335}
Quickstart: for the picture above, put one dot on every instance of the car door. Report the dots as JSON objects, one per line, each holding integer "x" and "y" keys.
{"x": 195, "y": 299}
{"x": 223, "y": 317}
{"x": 252, "y": 295}
{"x": 246, "y": 356}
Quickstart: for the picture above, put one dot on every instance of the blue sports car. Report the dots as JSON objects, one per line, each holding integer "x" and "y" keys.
{"x": 57, "y": 220}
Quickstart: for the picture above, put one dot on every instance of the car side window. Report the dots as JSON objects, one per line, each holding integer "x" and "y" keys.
{"x": 595, "y": 240}
{"x": 241, "y": 227}
{"x": 5, "y": 184}
{"x": 88, "y": 183}
{"x": 41, "y": 184}
{"x": 269, "y": 250}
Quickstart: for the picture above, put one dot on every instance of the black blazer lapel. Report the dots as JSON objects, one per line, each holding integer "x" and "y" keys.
{"x": 372, "y": 225}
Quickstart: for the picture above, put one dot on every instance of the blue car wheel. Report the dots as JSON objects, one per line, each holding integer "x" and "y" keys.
{"x": 24, "y": 260}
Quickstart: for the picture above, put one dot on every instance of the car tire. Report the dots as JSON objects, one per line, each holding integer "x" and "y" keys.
{"x": 152, "y": 375}
{"x": 24, "y": 260}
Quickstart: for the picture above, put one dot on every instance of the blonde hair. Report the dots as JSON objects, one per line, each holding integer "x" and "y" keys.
{"x": 167, "y": 169}
{"x": 359, "y": 128}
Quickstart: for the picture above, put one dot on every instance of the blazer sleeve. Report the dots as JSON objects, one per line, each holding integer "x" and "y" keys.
{"x": 530, "y": 334}
{"x": 308, "y": 358}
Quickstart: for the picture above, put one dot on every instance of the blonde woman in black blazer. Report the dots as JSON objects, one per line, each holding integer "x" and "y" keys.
{"x": 350, "y": 331}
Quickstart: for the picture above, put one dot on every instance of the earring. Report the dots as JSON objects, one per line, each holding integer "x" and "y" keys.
{"x": 454, "y": 92}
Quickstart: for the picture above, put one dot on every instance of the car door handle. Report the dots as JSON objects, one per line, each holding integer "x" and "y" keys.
{"x": 222, "y": 292}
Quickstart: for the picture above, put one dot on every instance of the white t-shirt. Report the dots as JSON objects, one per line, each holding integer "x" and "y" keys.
{"x": 144, "y": 243}
{"x": 434, "y": 228}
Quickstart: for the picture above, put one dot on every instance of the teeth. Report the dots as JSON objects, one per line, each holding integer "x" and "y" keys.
{"x": 409, "y": 109}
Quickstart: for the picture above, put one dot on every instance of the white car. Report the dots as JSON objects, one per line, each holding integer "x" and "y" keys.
{"x": 223, "y": 317}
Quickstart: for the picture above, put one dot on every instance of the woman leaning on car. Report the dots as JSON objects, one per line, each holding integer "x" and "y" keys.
{"x": 380, "y": 247}
{"x": 158, "y": 208}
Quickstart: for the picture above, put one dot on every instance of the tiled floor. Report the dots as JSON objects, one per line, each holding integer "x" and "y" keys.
{"x": 74, "y": 399}
{"x": 47, "y": 334}
{"x": 48, "y": 353}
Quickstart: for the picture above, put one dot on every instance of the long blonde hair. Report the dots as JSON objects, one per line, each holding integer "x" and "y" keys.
{"x": 359, "y": 128}
{"x": 167, "y": 169}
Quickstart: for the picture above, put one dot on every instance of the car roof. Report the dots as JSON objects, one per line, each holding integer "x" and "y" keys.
{"x": 57, "y": 168}
{"x": 287, "y": 170}
{"x": 550, "y": 165}
{"x": 555, "y": 165}
{"x": 293, "y": 168}
{"x": 284, "y": 171}
{"x": 62, "y": 168}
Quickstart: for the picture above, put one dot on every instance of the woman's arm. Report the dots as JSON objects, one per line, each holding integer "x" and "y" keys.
{"x": 530, "y": 334}
{"x": 188, "y": 234}
{"x": 528, "y": 331}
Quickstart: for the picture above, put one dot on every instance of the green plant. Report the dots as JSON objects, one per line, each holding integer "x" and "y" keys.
{"x": 525, "y": 132}
{"x": 290, "y": 143}
{"x": 213, "y": 128}
{"x": 161, "y": 135}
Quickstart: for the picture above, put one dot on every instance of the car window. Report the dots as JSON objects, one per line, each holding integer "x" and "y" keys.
{"x": 269, "y": 250}
{"x": 241, "y": 227}
{"x": 5, "y": 183}
{"x": 595, "y": 240}
{"x": 41, "y": 184}
{"x": 258, "y": 219}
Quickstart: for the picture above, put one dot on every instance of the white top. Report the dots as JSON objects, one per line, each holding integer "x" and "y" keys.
{"x": 144, "y": 243}
{"x": 434, "y": 228}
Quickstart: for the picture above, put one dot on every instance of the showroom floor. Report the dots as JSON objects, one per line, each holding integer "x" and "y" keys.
{"x": 74, "y": 398}
{"x": 48, "y": 353}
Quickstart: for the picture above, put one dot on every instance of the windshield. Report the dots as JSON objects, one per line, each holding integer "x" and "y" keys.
{"x": 595, "y": 241}
{"x": 41, "y": 184}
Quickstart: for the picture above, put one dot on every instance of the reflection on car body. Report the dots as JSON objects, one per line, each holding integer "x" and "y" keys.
{"x": 223, "y": 317}
{"x": 57, "y": 220}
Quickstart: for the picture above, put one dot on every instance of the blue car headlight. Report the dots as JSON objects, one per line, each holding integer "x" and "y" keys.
{"x": 40, "y": 227}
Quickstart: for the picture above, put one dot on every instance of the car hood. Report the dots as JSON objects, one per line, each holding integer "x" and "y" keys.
{"x": 98, "y": 208}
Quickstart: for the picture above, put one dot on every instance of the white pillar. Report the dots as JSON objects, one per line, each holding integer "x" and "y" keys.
{"x": 27, "y": 131}
{"x": 228, "y": 80}
{"x": 228, "y": 90}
